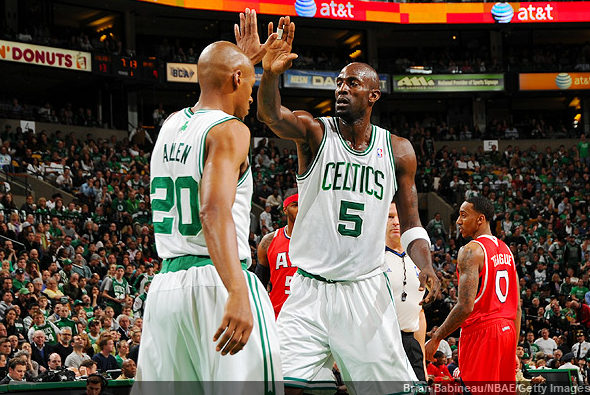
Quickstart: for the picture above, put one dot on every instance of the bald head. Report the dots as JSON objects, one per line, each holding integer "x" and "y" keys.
{"x": 218, "y": 62}
{"x": 357, "y": 90}
{"x": 363, "y": 72}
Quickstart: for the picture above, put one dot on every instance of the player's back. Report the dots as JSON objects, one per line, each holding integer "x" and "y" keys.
{"x": 281, "y": 269}
{"x": 497, "y": 295}
{"x": 344, "y": 199}
{"x": 176, "y": 166}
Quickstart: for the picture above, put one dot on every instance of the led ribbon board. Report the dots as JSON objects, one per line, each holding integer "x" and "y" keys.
{"x": 403, "y": 13}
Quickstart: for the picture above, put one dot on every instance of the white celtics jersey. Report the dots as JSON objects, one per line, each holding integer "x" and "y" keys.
{"x": 344, "y": 199}
{"x": 176, "y": 170}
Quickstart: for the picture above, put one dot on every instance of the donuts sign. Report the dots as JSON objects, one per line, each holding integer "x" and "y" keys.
{"x": 45, "y": 56}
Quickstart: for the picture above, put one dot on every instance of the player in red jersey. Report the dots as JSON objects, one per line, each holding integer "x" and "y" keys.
{"x": 273, "y": 254}
{"x": 488, "y": 309}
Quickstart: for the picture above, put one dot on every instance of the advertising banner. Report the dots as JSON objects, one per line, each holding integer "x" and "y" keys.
{"x": 448, "y": 83}
{"x": 554, "y": 81}
{"x": 45, "y": 56}
{"x": 187, "y": 72}
{"x": 375, "y": 11}
{"x": 181, "y": 72}
{"x": 322, "y": 80}
{"x": 258, "y": 71}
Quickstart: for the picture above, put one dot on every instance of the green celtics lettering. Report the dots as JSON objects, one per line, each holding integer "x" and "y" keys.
{"x": 353, "y": 177}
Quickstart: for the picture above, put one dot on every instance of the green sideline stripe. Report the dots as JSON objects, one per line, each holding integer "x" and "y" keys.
{"x": 261, "y": 336}
{"x": 272, "y": 369}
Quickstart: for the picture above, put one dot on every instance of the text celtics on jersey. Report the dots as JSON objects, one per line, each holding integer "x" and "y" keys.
{"x": 353, "y": 177}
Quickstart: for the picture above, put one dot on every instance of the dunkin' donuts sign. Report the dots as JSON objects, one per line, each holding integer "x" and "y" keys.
{"x": 45, "y": 56}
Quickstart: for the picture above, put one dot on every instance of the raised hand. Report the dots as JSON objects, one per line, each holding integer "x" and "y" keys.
{"x": 247, "y": 38}
{"x": 279, "y": 58}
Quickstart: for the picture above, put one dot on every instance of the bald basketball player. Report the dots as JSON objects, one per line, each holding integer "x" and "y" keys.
{"x": 207, "y": 320}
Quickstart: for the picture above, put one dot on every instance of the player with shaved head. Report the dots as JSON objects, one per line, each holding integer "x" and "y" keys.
{"x": 207, "y": 318}
{"x": 349, "y": 173}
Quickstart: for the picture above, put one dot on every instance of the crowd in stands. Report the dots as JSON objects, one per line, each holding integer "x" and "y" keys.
{"x": 523, "y": 58}
{"x": 75, "y": 275}
{"x": 447, "y": 60}
{"x": 464, "y": 59}
{"x": 430, "y": 129}
{"x": 66, "y": 115}
{"x": 42, "y": 33}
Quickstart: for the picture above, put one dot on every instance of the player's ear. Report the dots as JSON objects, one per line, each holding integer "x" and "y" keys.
{"x": 374, "y": 96}
{"x": 236, "y": 79}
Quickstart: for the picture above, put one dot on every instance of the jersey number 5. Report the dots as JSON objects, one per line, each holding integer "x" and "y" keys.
{"x": 184, "y": 194}
{"x": 353, "y": 219}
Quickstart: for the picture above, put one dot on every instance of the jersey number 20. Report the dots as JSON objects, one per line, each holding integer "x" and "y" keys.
{"x": 184, "y": 193}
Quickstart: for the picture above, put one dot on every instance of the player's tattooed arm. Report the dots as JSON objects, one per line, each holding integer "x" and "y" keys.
{"x": 262, "y": 269}
{"x": 263, "y": 248}
{"x": 469, "y": 261}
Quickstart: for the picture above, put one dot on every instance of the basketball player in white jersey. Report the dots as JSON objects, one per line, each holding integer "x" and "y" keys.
{"x": 341, "y": 305}
{"x": 208, "y": 320}
{"x": 405, "y": 286}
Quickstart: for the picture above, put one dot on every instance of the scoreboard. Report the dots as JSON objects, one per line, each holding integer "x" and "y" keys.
{"x": 126, "y": 67}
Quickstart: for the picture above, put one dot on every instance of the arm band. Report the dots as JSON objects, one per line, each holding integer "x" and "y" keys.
{"x": 412, "y": 234}
{"x": 263, "y": 274}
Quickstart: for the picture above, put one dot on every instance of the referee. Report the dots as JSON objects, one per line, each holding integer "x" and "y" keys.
{"x": 403, "y": 276}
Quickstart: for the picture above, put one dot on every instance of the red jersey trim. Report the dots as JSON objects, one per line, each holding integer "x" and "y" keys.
{"x": 485, "y": 280}
{"x": 492, "y": 238}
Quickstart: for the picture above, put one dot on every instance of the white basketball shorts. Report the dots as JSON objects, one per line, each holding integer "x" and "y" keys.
{"x": 353, "y": 322}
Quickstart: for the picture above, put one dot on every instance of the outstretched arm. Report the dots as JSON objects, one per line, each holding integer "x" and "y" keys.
{"x": 406, "y": 199}
{"x": 468, "y": 263}
{"x": 227, "y": 147}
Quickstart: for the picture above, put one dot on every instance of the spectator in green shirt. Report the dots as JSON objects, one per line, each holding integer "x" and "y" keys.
{"x": 63, "y": 311}
{"x": 579, "y": 291}
{"x": 19, "y": 280}
{"x": 119, "y": 205}
{"x": 583, "y": 151}
{"x": 55, "y": 230}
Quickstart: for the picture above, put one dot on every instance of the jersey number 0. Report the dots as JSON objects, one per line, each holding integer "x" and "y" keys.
{"x": 502, "y": 274}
